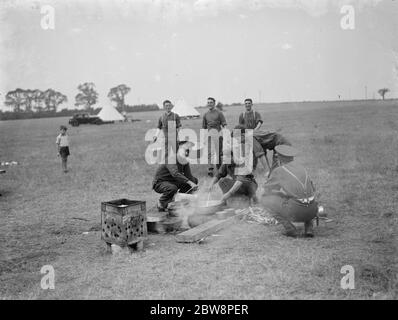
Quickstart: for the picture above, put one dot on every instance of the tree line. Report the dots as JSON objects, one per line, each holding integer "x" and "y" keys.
{"x": 38, "y": 101}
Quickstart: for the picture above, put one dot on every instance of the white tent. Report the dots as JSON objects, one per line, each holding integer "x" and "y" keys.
{"x": 184, "y": 110}
{"x": 109, "y": 113}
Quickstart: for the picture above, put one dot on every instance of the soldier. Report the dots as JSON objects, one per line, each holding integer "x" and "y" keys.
{"x": 213, "y": 121}
{"x": 163, "y": 125}
{"x": 169, "y": 178}
{"x": 250, "y": 119}
{"x": 290, "y": 194}
{"x": 241, "y": 180}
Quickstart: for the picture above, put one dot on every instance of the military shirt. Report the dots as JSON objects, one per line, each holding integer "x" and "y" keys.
{"x": 165, "y": 118}
{"x": 250, "y": 119}
{"x": 292, "y": 180}
{"x": 179, "y": 173}
{"x": 213, "y": 119}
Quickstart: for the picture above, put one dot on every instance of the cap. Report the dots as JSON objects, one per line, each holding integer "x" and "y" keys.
{"x": 286, "y": 151}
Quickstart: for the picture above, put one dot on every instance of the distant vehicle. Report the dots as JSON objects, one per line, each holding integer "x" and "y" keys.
{"x": 85, "y": 118}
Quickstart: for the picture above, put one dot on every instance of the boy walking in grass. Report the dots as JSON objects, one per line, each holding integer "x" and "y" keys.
{"x": 63, "y": 147}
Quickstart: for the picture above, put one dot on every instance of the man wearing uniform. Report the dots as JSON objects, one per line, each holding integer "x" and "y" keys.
{"x": 213, "y": 121}
{"x": 250, "y": 119}
{"x": 290, "y": 193}
{"x": 241, "y": 180}
{"x": 163, "y": 125}
{"x": 170, "y": 178}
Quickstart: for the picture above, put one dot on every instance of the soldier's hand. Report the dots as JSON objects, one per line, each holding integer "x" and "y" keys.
{"x": 193, "y": 186}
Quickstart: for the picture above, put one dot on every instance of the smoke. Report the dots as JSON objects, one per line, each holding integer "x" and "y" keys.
{"x": 189, "y": 203}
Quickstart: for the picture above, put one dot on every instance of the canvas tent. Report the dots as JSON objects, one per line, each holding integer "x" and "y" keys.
{"x": 109, "y": 113}
{"x": 184, "y": 110}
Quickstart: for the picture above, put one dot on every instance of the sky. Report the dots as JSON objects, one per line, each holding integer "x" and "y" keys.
{"x": 269, "y": 50}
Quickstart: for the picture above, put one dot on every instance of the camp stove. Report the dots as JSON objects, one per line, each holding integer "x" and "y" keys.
{"x": 123, "y": 222}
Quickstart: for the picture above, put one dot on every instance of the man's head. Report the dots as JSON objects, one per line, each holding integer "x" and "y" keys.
{"x": 211, "y": 102}
{"x": 63, "y": 129}
{"x": 248, "y": 104}
{"x": 167, "y": 105}
{"x": 285, "y": 153}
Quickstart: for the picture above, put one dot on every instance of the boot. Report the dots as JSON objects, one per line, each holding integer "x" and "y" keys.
{"x": 290, "y": 229}
{"x": 309, "y": 229}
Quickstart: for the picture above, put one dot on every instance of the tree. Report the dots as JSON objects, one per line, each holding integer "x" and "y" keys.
{"x": 38, "y": 98}
{"x": 52, "y": 99}
{"x": 383, "y": 92}
{"x": 16, "y": 99}
{"x": 28, "y": 100}
{"x": 117, "y": 95}
{"x": 87, "y": 96}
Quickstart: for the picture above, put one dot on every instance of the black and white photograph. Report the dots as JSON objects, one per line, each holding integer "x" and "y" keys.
{"x": 198, "y": 150}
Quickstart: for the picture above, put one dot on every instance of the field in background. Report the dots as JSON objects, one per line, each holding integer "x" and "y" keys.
{"x": 350, "y": 149}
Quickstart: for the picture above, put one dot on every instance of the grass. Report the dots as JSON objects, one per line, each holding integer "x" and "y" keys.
{"x": 350, "y": 150}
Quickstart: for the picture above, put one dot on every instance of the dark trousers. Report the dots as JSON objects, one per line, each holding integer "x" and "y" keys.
{"x": 214, "y": 147}
{"x": 168, "y": 189}
{"x": 286, "y": 211}
{"x": 248, "y": 188}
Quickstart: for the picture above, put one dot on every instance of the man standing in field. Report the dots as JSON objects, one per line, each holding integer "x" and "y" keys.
{"x": 169, "y": 178}
{"x": 290, "y": 194}
{"x": 213, "y": 121}
{"x": 63, "y": 147}
{"x": 168, "y": 121}
{"x": 250, "y": 119}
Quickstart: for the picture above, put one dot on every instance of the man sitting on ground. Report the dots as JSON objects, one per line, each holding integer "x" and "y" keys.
{"x": 170, "y": 178}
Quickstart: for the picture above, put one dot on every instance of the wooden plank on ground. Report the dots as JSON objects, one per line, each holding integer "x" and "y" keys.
{"x": 208, "y": 228}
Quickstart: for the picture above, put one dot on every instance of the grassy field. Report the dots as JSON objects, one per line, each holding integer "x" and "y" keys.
{"x": 351, "y": 150}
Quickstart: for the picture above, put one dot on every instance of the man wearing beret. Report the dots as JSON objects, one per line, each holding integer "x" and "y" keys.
{"x": 170, "y": 178}
{"x": 290, "y": 194}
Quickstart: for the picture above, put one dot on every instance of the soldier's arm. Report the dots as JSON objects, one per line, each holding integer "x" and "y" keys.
{"x": 204, "y": 122}
{"x": 241, "y": 119}
{"x": 232, "y": 191}
{"x": 173, "y": 169}
{"x": 178, "y": 122}
{"x": 222, "y": 120}
{"x": 259, "y": 121}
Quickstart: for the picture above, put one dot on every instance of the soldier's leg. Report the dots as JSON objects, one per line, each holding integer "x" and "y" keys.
{"x": 278, "y": 207}
{"x": 210, "y": 150}
{"x": 219, "y": 152}
{"x": 306, "y": 214}
{"x": 168, "y": 190}
{"x": 309, "y": 229}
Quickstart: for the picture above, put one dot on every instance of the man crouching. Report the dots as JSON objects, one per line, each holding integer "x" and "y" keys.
{"x": 170, "y": 178}
{"x": 289, "y": 193}
{"x": 241, "y": 181}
